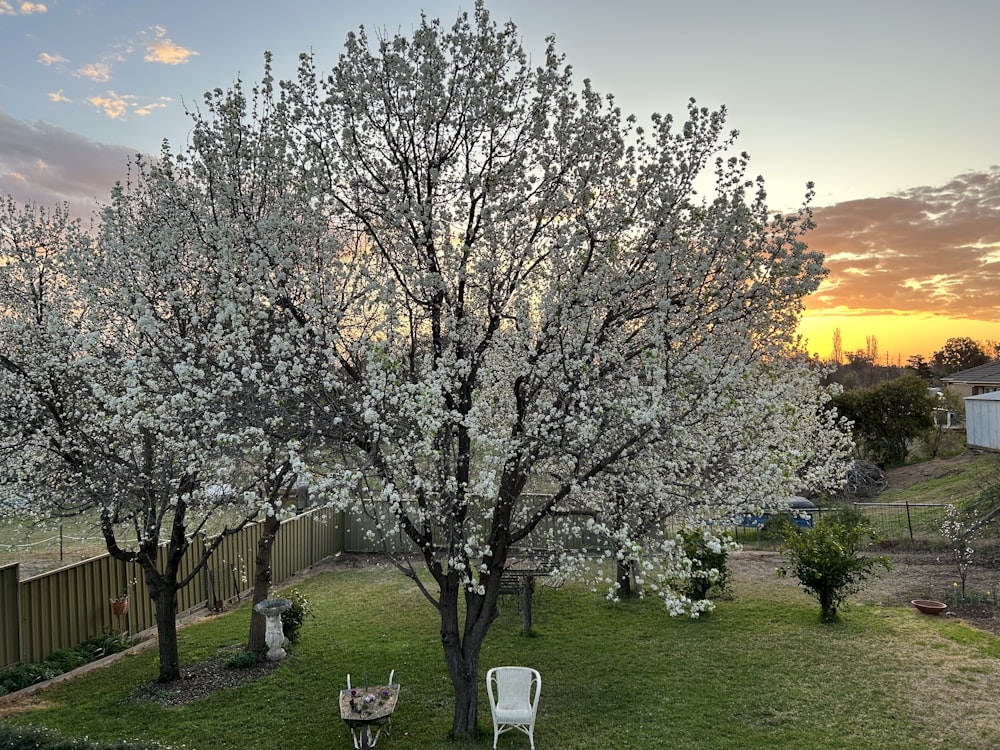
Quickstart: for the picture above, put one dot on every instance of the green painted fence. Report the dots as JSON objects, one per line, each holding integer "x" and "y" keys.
{"x": 65, "y": 607}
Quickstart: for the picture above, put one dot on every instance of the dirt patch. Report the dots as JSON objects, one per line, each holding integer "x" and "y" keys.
{"x": 913, "y": 575}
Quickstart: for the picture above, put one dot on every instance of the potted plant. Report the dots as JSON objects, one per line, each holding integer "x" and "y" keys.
{"x": 119, "y": 604}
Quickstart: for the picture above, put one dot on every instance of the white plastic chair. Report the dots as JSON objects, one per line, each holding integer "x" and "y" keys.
{"x": 513, "y": 695}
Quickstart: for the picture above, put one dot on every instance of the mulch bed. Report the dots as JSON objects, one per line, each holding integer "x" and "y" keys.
{"x": 202, "y": 679}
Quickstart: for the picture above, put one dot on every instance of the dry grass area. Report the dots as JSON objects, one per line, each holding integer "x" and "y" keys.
{"x": 902, "y": 477}
{"x": 915, "y": 574}
{"x": 956, "y": 670}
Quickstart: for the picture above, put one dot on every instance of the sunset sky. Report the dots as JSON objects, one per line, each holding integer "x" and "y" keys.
{"x": 892, "y": 107}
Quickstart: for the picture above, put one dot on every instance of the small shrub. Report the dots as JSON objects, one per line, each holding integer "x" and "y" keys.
{"x": 107, "y": 643}
{"x": 293, "y": 619}
{"x": 850, "y": 517}
{"x": 62, "y": 661}
{"x": 773, "y": 527}
{"x": 709, "y": 567}
{"x": 25, "y": 675}
{"x": 242, "y": 660}
{"x": 960, "y": 535}
{"x": 66, "y": 660}
{"x": 827, "y": 562}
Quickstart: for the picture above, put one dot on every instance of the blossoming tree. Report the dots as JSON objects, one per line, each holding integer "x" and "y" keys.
{"x": 553, "y": 304}
{"x": 488, "y": 294}
{"x": 155, "y": 373}
{"x": 777, "y": 435}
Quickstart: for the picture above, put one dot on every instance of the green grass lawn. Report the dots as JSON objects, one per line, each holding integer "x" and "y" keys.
{"x": 759, "y": 672}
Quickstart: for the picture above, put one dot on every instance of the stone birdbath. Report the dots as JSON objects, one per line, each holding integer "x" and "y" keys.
{"x": 274, "y": 633}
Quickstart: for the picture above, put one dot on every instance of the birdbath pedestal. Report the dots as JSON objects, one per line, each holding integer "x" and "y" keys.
{"x": 274, "y": 633}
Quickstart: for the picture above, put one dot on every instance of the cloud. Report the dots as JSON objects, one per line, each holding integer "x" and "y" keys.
{"x": 47, "y": 165}
{"x": 929, "y": 249}
{"x": 21, "y": 9}
{"x": 98, "y": 72}
{"x": 123, "y": 106}
{"x": 46, "y": 59}
{"x": 163, "y": 50}
{"x": 57, "y": 96}
{"x": 144, "y": 110}
{"x": 113, "y": 105}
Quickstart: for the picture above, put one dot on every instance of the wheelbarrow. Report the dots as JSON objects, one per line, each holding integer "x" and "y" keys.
{"x": 368, "y": 710}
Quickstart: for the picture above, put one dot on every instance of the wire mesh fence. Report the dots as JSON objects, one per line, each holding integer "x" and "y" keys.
{"x": 917, "y": 524}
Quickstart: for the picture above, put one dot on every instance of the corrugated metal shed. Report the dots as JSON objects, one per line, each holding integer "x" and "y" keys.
{"x": 982, "y": 421}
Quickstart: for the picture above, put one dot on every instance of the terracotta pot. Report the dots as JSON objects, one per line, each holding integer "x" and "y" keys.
{"x": 929, "y": 606}
{"x": 120, "y": 606}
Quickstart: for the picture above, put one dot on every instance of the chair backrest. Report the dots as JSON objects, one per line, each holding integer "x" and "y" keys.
{"x": 514, "y": 687}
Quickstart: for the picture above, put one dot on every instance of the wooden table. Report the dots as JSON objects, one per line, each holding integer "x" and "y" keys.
{"x": 525, "y": 571}
{"x": 364, "y": 708}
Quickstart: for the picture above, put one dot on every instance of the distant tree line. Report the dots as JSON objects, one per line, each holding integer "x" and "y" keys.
{"x": 892, "y": 406}
{"x": 861, "y": 368}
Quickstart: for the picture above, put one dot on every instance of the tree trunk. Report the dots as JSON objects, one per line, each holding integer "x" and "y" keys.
{"x": 461, "y": 653}
{"x": 827, "y": 605}
{"x": 624, "y": 579}
{"x": 262, "y": 583}
{"x": 466, "y": 683}
{"x": 462, "y": 659}
{"x": 165, "y": 601}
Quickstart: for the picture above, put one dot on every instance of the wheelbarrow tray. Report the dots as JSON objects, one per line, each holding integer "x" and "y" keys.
{"x": 361, "y": 713}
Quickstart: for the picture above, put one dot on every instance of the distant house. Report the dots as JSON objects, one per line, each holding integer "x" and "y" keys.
{"x": 944, "y": 418}
{"x": 982, "y": 421}
{"x": 978, "y": 380}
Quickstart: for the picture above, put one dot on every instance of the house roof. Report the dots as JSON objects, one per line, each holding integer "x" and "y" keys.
{"x": 988, "y": 373}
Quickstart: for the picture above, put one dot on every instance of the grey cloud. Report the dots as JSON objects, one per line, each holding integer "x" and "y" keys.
{"x": 926, "y": 249}
{"x": 45, "y": 164}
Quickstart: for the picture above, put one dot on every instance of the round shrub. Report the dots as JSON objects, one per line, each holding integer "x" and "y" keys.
{"x": 242, "y": 660}
{"x": 709, "y": 564}
{"x": 293, "y": 618}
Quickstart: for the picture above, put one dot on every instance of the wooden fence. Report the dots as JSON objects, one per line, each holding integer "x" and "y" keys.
{"x": 63, "y": 608}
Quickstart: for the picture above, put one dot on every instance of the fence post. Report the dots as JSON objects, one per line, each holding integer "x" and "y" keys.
{"x": 10, "y": 616}
{"x": 909, "y": 521}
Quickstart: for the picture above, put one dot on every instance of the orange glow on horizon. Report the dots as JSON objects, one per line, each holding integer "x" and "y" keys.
{"x": 899, "y": 336}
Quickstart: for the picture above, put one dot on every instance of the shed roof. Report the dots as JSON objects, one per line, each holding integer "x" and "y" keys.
{"x": 993, "y": 396}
